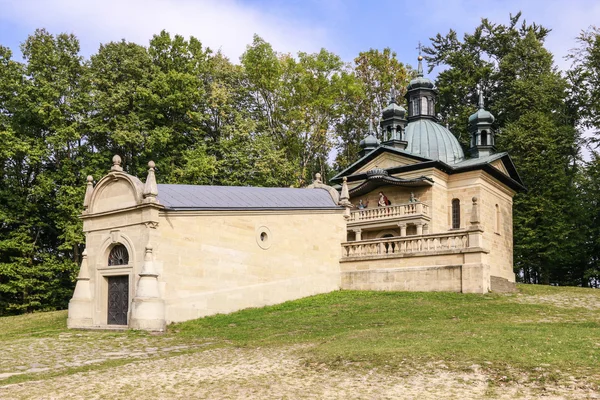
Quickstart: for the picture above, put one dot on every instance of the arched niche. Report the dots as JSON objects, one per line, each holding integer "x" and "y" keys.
{"x": 387, "y": 234}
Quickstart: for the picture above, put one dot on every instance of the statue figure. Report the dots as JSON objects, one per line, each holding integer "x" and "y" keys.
{"x": 383, "y": 200}
{"x": 412, "y": 199}
{"x": 362, "y": 204}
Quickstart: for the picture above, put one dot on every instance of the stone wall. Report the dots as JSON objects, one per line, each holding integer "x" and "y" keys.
{"x": 211, "y": 263}
{"x": 423, "y": 279}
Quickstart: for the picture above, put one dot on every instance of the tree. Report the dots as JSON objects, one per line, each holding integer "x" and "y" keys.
{"x": 298, "y": 101}
{"x": 43, "y": 107}
{"x": 585, "y": 79}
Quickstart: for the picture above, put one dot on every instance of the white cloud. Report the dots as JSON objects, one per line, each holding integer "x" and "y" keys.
{"x": 220, "y": 24}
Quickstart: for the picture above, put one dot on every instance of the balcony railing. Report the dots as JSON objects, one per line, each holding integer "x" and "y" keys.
{"x": 389, "y": 247}
{"x": 394, "y": 211}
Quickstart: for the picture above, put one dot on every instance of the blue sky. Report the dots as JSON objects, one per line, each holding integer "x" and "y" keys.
{"x": 343, "y": 27}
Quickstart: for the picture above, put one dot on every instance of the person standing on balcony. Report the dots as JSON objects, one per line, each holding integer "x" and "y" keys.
{"x": 383, "y": 200}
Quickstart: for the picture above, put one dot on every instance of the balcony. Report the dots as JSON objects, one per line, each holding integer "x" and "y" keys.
{"x": 408, "y": 246}
{"x": 400, "y": 211}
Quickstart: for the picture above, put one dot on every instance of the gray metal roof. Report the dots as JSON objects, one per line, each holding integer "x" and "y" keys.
{"x": 431, "y": 140}
{"x": 197, "y": 197}
{"x": 478, "y": 161}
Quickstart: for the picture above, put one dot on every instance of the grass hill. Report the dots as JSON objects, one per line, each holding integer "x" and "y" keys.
{"x": 541, "y": 340}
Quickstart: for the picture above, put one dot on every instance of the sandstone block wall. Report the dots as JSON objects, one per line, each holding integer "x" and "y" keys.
{"x": 217, "y": 263}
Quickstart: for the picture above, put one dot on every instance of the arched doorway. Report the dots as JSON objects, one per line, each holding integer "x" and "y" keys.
{"x": 118, "y": 287}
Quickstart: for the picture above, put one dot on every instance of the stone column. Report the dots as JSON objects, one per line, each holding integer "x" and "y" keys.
{"x": 425, "y": 229}
{"x": 419, "y": 228}
{"x": 402, "y": 229}
{"x": 358, "y": 233}
{"x": 80, "y": 306}
{"x": 148, "y": 308}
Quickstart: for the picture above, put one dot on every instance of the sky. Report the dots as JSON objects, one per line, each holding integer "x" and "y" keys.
{"x": 342, "y": 27}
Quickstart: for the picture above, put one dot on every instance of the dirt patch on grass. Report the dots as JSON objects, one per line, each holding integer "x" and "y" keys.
{"x": 589, "y": 301}
{"x": 277, "y": 373}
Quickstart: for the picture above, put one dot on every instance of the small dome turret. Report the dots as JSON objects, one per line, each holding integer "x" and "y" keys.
{"x": 481, "y": 115}
{"x": 370, "y": 142}
{"x": 420, "y": 82}
{"x": 393, "y": 109}
{"x": 483, "y": 139}
{"x": 393, "y": 122}
{"x": 421, "y": 96}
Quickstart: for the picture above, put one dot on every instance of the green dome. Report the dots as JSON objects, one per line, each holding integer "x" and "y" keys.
{"x": 429, "y": 139}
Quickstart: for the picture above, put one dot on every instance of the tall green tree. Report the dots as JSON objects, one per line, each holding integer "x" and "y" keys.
{"x": 585, "y": 80}
{"x": 42, "y": 166}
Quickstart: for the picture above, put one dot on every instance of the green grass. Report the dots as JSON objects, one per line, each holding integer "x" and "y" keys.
{"x": 398, "y": 328}
{"x": 507, "y": 335}
{"x": 36, "y": 324}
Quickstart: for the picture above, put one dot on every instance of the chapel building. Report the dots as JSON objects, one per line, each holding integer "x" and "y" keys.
{"x": 413, "y": 213}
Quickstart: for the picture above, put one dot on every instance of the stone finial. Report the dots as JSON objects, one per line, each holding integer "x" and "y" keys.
{"x": 318, "y": 178}
{"x": 116, "y": 163}
{"x": 89, "y": 189}
{"x": 475, "y": 212}
{"x": 150, "y": 187}
{"x": 345, "y": 196}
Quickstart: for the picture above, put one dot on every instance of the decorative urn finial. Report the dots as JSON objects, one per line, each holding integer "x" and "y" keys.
{"x": 116, "y": 163}
{"x": 318, "y": 178}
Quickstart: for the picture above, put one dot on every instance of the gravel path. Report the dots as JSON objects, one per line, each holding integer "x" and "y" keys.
{"x": 234, "y": 373}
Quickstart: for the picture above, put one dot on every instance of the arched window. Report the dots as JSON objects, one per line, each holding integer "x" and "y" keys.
{"x": 455, "y": 213}
{"x": 415, "y": 106}
{"x": 424, "y": 106}
{"x": 118, "y": 256}
{"x": 484, "y": 138}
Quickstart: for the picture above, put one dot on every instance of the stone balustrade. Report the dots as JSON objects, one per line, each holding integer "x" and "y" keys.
{"x": 393, "y": 211}
{"x": 390, "y": 247}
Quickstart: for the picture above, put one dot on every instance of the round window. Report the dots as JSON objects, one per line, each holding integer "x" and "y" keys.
{"x": 263, "y": 237}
